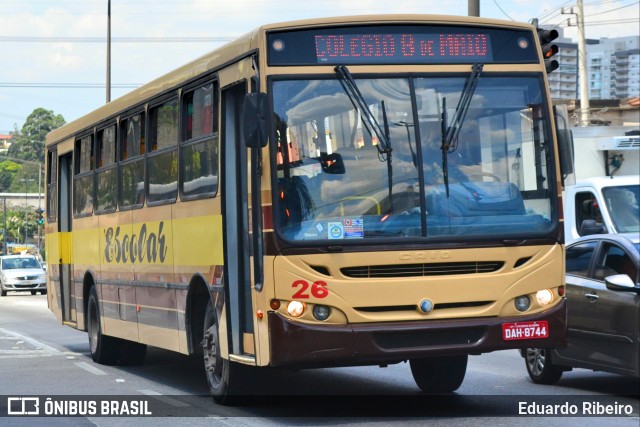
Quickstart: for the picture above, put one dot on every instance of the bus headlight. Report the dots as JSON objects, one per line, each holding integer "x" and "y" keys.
{"x": 295, "y": 308}
{"x": 522, "y": 303}
{"x": 321, "y": 312}
{"x": 544, "y": 297}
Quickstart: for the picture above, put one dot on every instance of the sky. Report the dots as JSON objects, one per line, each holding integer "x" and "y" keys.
{"x": 53, "y": 52}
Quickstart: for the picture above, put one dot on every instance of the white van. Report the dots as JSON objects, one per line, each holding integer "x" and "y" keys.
{"x": 602, "y": 205}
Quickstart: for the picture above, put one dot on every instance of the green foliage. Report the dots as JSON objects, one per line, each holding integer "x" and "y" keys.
{"x": 28, "y": 143}
{"x": 17, "y": 220}
{"x": 8, "y": 171}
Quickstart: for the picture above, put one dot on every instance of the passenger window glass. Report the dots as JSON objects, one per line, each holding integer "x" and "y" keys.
{"x": 106, "y": 191}
{"x": 163, "y": 177}
{"x": 199, "y": 108}
{"x": 107, "y": 146}
{"x": 163, "y": 158}
{"x": 52, "y": 187}
{"x": 614, "y": 260}
{"x": 132, "y": 166}
{"x": 84, "y": 155}
{"x": 578, "y": 259}
{"x": 164, "y": 125}
{"x": 200, "y": 167}
{"x": 83, "y": 182}
{"x": 199, "y": 157}
{"x": 132, "y": 184}
{"x": 132, "y": 131}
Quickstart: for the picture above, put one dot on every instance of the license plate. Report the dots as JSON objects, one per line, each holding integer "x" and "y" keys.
{"x": 525, "y": 330}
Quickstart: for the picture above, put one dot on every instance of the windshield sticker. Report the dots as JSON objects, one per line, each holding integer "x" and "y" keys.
{"x": 336, "y": 230}
{"x": 351, "y": 228}
{"x": 354, "y": 228}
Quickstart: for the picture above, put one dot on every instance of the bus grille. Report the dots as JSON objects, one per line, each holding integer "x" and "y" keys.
{"x": 404, "y": 340}
{"x": 412, "y": 270}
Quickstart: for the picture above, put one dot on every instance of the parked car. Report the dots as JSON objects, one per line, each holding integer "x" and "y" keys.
{"x": 21, "y": 273}
{"x": 603, "y": 302}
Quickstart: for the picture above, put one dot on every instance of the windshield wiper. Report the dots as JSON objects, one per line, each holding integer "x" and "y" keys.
{"x": 450, "y": 133}
{"x": 358, "y": 101}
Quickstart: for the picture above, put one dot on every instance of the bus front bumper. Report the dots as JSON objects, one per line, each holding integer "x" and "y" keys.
{"x": 305, "y": 346}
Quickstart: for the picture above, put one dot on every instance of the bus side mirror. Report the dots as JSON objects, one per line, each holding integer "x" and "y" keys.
{"x": 254, "y": 120}
{"x": 332, "y": 163}
{"x": 565, "y": 144}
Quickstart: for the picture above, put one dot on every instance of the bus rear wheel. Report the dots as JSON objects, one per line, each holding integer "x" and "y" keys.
{"x": 439, "y": 374}
{"x": 104, "y": 349}
{"x": 226, "y": 379}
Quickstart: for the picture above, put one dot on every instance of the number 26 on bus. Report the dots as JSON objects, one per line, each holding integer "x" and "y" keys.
{"x": 318, "y": 289}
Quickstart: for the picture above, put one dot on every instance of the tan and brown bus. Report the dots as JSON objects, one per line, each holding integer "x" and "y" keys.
{"x": 331, "y": 192}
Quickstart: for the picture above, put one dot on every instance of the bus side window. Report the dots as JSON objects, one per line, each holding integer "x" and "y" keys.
{"x": 131, "y": 168}
{"x": 83, "y": 182}
{"x": 199, "y": 142}
{"x": 163, "y": 154}
{"x": 106, "y": 170}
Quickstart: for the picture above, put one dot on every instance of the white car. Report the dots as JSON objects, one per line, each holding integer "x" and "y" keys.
{"x": 21, "y": 273}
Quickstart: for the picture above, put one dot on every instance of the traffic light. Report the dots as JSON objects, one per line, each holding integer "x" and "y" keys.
{"x": 40, "y": 213}
{"x": 548, "y": 49}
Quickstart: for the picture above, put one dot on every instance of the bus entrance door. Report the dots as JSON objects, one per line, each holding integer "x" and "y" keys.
{"x": 66, "y": 298}
{"x": 235, "y": 215}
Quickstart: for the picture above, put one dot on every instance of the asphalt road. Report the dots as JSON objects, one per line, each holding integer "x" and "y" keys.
{"x": 40, "y": 357}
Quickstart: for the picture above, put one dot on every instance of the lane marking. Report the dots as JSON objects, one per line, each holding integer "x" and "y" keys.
{"x": 37, "y": 344}
{"x": 89, "y": 368}
{"x": 165, "y": 399}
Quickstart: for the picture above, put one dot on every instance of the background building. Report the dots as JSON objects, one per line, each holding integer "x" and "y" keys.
{"x": 613, "y": 67}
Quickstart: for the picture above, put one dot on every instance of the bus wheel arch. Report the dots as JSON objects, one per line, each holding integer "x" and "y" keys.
{"x": 103, "y": 348}
{"x": 198, "y": 296}
{"x": 88, "y": 282}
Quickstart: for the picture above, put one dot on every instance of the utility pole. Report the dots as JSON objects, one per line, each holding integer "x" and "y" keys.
{"x": 585, "y": 109}
{"x": 474, "y": 7}
{"x": 109, "y": 51}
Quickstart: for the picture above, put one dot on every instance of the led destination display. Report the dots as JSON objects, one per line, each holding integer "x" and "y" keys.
{"x": 401, "y": 44}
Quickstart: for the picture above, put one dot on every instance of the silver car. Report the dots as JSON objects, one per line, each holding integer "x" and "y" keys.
{"x": 21, "y": 273}
{"x": 603, "y": 303}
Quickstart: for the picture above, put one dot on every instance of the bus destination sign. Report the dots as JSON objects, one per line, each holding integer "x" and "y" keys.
{"x": 401, "y": 44}
{"x": 408, "y": 48}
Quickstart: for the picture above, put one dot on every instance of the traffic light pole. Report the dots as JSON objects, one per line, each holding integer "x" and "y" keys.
{"x": 582, "y": 64}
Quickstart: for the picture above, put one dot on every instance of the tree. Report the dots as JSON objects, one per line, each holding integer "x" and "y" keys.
{"x": 8, "y": 171}
{"x": 28, "y": 143}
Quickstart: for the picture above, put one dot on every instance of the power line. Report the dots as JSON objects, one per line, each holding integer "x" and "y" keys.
{"x": 33, "y": 85}
{"x": 39, "y": 39}
{"x": 501, "y": 10}
{"x": 611, "y": 10}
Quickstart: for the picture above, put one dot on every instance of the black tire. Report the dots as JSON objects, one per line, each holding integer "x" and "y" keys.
{"x": 439, "y": 374}
{"x": 43, "y": 292}
{"x": 34, "y": 292}
{"x": 3, "y": 293}
{"x": 540, "y": 367}
{"x": 104, "y": 349}
{"x": 226, "y": 379}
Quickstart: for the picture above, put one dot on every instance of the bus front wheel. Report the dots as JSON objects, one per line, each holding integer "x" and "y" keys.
{"x": 104, "y": 349}
{"x": 225, "y": 378}
{"x": 439, "y": 374}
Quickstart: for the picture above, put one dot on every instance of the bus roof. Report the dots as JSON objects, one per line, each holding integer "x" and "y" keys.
{"x": 241, "y": 46}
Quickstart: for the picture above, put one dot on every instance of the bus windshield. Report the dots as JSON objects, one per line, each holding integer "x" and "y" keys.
{"x": 334, "y": 183}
